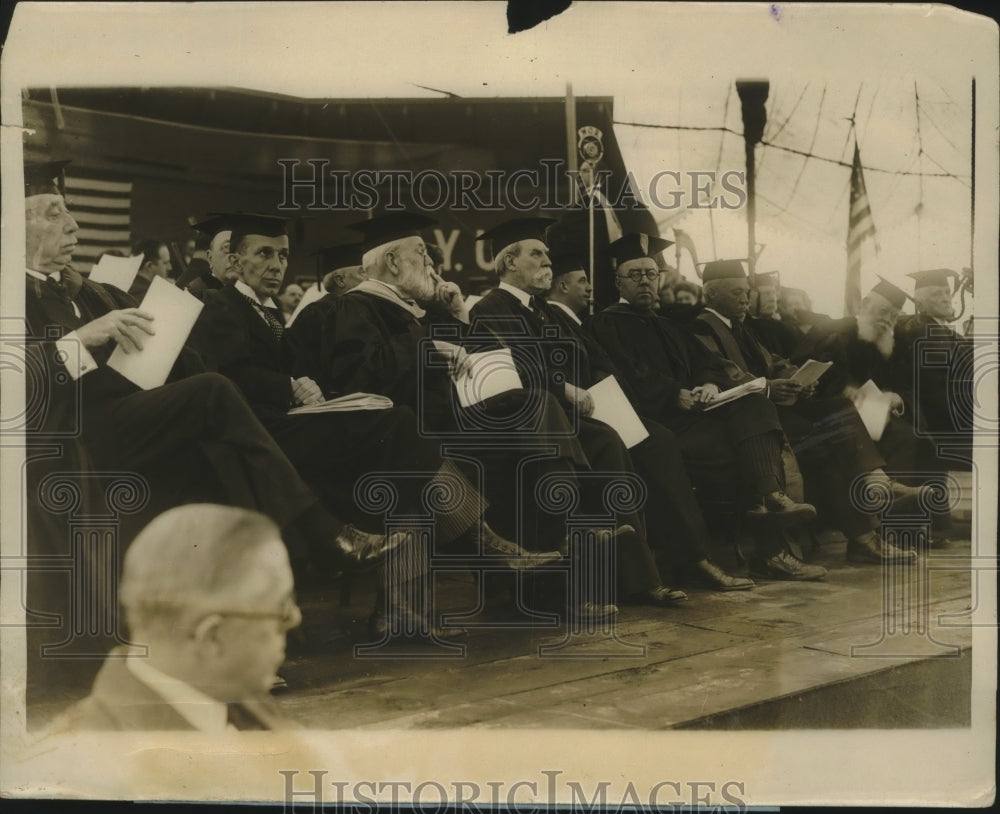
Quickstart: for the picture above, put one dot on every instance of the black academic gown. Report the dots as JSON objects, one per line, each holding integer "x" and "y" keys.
{"x": 192, "y": 439}
{"x": 548, "y": 356}
{"x": 378, "y": 344}
{"x": 205, "y": 281}
{"x": 827, "y": 435}
{"x": 854, "y": 363}
{"x": 332, "y": 451}
{"x": 940, "y": 367}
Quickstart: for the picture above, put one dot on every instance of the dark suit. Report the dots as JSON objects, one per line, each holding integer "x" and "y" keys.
{"x": 827, "y": 435}
{"x": 121, "y": 702}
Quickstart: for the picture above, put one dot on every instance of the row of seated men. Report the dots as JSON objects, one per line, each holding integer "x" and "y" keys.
{"x": 221, "y": 430}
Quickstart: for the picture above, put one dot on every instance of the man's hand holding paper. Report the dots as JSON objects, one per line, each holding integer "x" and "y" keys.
{"x": 125, "y": 327}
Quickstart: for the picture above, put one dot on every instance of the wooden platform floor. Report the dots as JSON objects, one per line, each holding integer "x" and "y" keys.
{"x": 693, "y": 664}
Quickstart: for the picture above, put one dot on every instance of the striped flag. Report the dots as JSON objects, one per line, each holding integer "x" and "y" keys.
{"x": 860, "y": 227}
{"x": 101, "y": 204}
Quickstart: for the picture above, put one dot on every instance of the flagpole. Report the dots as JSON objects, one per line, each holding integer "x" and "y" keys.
{"x": 590, "y": 238}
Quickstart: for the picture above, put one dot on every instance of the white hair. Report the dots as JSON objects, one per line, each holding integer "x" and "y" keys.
{"x": 498, "y": 262}
{"x": 374, "y": 259}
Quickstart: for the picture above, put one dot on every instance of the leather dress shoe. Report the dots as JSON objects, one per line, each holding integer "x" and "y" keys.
{"x": 707, "y": 573}
{"x": 516, "y": 558}
{"x": 660, "y": 595}
{"x": 592, "y": 612}
{"x": 779, "y": 506}
{"x": 602, "y": 536}
{"x": 784, "y": 565}
{"x": 363, "y": 549}
{"x": 872, "y": 548}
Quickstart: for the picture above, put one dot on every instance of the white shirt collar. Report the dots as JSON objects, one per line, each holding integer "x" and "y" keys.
{"x": 246, "y": 291}
{"x": 38, "y": 275}
{"x": 202, "y": 712}
{"x": 567, "y": 309}
{"x": 729, "y": 322}
{"x": 523, "y": 296}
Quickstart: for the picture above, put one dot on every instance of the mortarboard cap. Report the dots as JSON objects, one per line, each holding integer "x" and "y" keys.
{"x": 892, "y": 292}
{"x": 213, "y": 224}
{"x": 44, "y": 178}
{"x": 723, "y": 270}
{"x": 516, "y": 230}
{"x": 337, "y": 257}
{"x": 251, "y": 223}
{"x": 565, "y": 262}
{"x": 932, "y": 277}
{"x": 635, "y": 245}
{"x": 389, "y": 227}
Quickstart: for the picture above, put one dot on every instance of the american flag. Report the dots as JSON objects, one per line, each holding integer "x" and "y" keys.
{"x": 101, "y": 204}
{"x": 860, "y": 227}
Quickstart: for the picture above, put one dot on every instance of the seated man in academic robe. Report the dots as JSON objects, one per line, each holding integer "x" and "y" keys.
{"x": 240, "y": 334}
{"x": 671, "y": 522}
{"x": 208, "y": 596}
{"x": 863, "y": 349}
{"x": 193, "y": 438}
{"x": 373, "y": 340}
{"x": 827, "y": 435}
{"x": 671, "y": 377}
{"x": 940, "y": 364}
{"x": 219, "y": 271}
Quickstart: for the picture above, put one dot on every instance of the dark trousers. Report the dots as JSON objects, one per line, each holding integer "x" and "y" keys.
{"x": 833, "y": 448}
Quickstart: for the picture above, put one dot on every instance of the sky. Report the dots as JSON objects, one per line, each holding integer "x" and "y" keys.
{"x": 663, "y": 65}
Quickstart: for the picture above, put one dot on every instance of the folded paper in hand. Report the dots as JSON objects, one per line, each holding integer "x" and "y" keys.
{"x": 612, "y": 406}
{"x": 345, "y": 404}
{"x": 810, "y": 372}
{"x": 117, "y": 271}
{"x": 174, "y": 312}
{"x": 873, "y": 406}
{"x": 754, "y": 386}
{"x": 490, "y": 374}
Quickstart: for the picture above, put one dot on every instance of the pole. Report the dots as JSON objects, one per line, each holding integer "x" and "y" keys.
{"x": 590, "y": 239}
{"x": 972, "y": 194}
{"x": 571, "y": 159}
{"x": 753, "y": 94}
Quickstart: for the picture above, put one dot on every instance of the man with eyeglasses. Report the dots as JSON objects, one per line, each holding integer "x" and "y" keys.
{"x": 208, "y": 597}
{"x": 671, "y": 378}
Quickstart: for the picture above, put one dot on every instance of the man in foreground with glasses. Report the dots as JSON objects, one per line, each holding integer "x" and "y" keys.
{"x": 208, "y": 596}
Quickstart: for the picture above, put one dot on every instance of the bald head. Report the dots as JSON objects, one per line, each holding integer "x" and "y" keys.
{"x": 199, "y": 558}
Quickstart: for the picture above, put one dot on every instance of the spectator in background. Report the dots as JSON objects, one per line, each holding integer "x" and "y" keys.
{"x": 155, "y": 263}
{"x": 778, "y": 337}
{"x": 686, "y": 305}
{"x": 197, "y": 264}
{"x": 289, "y": 299}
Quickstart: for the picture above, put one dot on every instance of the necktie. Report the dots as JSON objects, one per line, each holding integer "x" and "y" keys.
{"x": 272, "y": 321}
{"x": 536, "y": 308}
{"x": 747, "y": 347}
{"x": 59, "y": 286}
